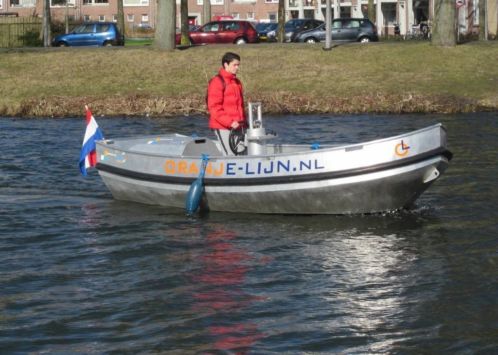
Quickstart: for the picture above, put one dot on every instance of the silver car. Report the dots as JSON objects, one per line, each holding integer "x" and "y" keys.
{"x": 343, "y": 30}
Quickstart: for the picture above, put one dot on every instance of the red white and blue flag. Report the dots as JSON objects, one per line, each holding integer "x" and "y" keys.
{"x": 88, "y": 155}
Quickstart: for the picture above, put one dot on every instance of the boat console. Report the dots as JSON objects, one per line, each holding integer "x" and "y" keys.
{"x": 256, "y": 135}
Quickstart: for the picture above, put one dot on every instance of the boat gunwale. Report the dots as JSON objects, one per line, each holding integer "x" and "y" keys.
{"x": 286, "y": 179}
{"x": 322, "y": 149}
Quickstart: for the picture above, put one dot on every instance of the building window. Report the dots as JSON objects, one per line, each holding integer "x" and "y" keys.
{"x": 95, "y": 2}
{"x": 87, "y": 18}
{"x": 145, "y": 18}
{"x": 22, "y": 3}
{"x": 114, "y": 18}
{"x": 101, "y": 18}
{"x": 250, "y": 16}
{"x": 389, "y": 12}
{"x": 346, "y": 10}
{"x": 272, "y": 16}
{"x": 135, "y": 2}
{"x": 130, "y": 18}
{"x": 271, "y": 2}
{"x": 213, "y": 2}
{"x": 235, "y": 15}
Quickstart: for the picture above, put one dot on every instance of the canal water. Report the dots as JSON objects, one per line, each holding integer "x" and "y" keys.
{"x": 81, "y": 272}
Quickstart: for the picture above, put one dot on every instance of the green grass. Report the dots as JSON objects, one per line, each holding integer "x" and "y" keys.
{"x": 138, "y": 42}
{"x": 138, "y": 80}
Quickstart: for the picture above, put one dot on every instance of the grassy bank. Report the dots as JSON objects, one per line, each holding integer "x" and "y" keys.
{"x": 385, "y": 77}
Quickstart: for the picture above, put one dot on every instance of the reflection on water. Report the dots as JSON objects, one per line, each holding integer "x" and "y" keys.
{"x": 84, "y": 273}
{"x": 220, "y": 278}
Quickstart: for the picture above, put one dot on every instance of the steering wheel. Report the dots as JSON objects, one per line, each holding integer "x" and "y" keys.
{"x": 236, "y": 141}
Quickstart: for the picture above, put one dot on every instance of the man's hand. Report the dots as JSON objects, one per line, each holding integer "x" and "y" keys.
{"x": 235, "y": 125}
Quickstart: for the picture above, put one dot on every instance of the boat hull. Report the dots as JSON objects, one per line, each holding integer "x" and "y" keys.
{"x": 335, "y": 180}
{"x": 385, "y": 190}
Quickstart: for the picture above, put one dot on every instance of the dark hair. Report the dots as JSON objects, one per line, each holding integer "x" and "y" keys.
{"x": 229, "y": 57}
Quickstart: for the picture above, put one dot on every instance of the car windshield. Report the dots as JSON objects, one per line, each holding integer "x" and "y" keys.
{"x": 291, "y": 24}
{"x": 262, "y": 26}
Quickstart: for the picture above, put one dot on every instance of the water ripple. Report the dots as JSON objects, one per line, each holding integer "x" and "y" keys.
{"x": 83, "y": 273}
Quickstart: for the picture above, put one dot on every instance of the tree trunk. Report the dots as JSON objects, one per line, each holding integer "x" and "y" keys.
{"x": 206, "y": 11}
{"x": 46, "y": 24}
{"x": 371, "y": 11}
{"x": 444, "y": 33}
{"x": 166, "y": 25}
{"x": 184, "y": 22}
{"x": 121, "y": 20}
{"x": 66, "y": 17}
{"x": 281, "y": 21}
{"x": 482, "y": 20}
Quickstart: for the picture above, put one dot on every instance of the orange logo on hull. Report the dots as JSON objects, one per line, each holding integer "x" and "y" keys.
{"x": 401, "y": 149}
{"x": 181, "y": 167}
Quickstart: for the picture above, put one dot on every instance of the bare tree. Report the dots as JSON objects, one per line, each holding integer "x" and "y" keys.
{"x": 166, "y": 25}
{"x": 184, "y": 22}
{"x": 281, "y": 21}
{"x": 121, "y": 21}
{"x": 206, "y": 11}
{"x": 66, "y": 16}
{"x": 371, "y": 11}
{"x": 482, "y": 20}
{"x": 444, "y": 33}
{"x": 46, "y": 32}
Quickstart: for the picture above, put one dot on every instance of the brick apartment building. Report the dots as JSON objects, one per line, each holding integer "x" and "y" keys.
{"x": 142, "y": 13}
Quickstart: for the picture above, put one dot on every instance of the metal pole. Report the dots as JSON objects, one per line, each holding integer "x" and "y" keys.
{"x": 328, "y": 27}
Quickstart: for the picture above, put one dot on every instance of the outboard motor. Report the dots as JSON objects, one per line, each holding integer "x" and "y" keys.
{"x": 256, "y": 135}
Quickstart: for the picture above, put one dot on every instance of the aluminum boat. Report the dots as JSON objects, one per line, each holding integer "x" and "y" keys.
{"x": 376, "y": 176}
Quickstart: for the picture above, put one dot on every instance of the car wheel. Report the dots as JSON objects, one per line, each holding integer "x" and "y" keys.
{"x": 108, "y": 44}
{"x": 240, "y": 41}
{"x": 62, "y": 44}
{"x": 364, "y": 40}
{"x": 310, "y": 40}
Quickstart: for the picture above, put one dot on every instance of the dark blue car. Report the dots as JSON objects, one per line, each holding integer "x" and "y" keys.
{"x": 91, "y": 34}
{"x": 263, "y": 29}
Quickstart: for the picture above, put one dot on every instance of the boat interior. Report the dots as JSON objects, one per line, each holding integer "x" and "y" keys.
{"x": 185, "y": 146}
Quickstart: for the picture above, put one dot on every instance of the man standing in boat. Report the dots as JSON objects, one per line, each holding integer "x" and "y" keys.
{"x": 225, "y": 101}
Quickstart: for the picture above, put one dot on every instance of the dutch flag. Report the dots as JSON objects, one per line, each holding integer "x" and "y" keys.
{"x": 88, "y": 156}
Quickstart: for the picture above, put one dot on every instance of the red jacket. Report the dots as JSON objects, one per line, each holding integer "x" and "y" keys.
{"x": 225, "y": 101}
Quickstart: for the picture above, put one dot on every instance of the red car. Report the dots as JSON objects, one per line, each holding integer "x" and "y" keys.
{"x": 227, "y": 31}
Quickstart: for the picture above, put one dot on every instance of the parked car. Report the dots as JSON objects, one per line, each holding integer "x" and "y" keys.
{"x": 263, "y": 28}
{"x": 294, "y": 26}
{"x": 231, "y": 31}
{"x": 343, "y": 30}
{"x": 91, "y": 34}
